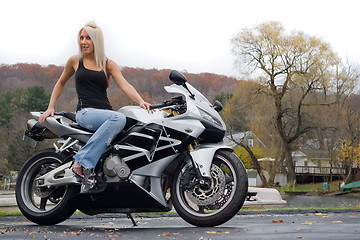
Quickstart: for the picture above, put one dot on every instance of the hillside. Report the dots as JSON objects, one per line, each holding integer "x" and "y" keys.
{"x": 148, "y": 82}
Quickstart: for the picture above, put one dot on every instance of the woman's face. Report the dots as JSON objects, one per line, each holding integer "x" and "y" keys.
{"x": 86, "y": 44}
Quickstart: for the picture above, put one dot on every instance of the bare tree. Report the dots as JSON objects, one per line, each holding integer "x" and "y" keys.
{"x": 293, "y": 67}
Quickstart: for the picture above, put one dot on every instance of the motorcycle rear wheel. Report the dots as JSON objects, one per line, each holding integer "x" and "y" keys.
{"x": 220, "y": 201}
{"x": 44, "y": 206}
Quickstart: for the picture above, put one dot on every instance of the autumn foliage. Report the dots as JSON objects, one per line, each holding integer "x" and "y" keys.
{"x": 149, "y": 82}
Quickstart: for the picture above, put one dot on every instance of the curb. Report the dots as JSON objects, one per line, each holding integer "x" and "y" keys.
{"x": 8, "y": 202}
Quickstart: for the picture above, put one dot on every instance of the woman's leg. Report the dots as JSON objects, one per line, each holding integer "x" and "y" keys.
{"x": 107, "y": 125}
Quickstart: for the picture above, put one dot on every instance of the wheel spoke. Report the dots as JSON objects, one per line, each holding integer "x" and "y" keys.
{"x": 43, "y": 202}
{"x": 229, "y": 179}
{"x": 201, "y": 209}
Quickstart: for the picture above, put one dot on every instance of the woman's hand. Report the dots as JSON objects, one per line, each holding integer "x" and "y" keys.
{"x": 146, "y": 105}
{"x": 47, "y": 113}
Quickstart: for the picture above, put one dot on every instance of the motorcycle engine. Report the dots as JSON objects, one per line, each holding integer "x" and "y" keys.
{"x": 115, "y": 169}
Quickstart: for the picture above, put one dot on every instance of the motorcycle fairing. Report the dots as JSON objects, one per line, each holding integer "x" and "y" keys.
{"x": 144, "y": 144}
{"x": 203, "y": 155}
{"x": 123, "y": 197}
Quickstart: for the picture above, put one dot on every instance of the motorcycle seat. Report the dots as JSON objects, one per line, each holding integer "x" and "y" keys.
{"x": 77, "y": 126}
{"x": 68, "y": 115}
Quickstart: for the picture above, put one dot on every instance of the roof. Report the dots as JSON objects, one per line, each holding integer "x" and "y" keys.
{"x": 238, "y": 137}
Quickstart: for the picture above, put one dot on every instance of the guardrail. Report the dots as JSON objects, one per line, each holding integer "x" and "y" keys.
{"x": 319, "y": 170}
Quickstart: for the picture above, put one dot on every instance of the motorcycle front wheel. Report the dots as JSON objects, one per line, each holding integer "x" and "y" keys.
{"x": 44, "y": 206}
{"x": 216, "y": 201}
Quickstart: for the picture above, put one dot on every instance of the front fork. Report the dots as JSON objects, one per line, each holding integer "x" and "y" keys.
{"x": 195, "y": 164}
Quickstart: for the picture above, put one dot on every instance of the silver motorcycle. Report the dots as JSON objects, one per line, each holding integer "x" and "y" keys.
{"x": 170, "y": 159}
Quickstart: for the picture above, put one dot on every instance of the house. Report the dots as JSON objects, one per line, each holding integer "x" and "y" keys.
{"x": 255, "y": 181}
{"x": 250, "y": 139}
{"x": 312, "y": 162}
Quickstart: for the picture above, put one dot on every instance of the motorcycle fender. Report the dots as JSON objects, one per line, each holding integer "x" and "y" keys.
{"x": 203, "y": 154}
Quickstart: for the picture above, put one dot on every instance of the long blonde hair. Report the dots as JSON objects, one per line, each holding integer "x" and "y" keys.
{"x": 97, "y": 38}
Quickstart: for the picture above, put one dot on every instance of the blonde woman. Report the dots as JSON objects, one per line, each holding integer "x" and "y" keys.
{"x": 92, "y": 73}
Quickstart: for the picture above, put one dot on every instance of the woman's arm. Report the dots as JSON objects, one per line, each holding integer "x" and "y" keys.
{"x": 69, "y": 70}
{"x": 125, "y": 86}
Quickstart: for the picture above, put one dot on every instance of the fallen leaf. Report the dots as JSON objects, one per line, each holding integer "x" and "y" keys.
{"x": 307, "y": 223}
{"x": 277, "y": 221}
{"x": 217, "y": 232}
{"x": 319, "y": 214}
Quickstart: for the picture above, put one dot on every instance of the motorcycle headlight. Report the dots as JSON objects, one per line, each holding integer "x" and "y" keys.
{"x": 210, "y": 118}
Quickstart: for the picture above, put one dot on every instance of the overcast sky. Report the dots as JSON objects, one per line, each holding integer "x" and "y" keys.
{"x": 192, "y": 35}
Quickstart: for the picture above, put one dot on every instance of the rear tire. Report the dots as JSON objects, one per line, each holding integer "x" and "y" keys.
{"x": 44, "y": 206}
{"x": 208, "y": 207}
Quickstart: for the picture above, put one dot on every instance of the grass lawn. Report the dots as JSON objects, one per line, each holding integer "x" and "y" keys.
{"x": 311, "y": 188}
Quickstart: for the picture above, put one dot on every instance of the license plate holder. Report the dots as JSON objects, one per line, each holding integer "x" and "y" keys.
{"x": 29, "y": 140}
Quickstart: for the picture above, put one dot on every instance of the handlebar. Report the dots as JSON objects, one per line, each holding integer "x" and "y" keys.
{"x": 172, "y": 101}
{"x": 155, "y": 106}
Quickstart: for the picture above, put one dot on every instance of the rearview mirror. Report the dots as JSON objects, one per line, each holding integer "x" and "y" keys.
{"x": 177, "y": 77}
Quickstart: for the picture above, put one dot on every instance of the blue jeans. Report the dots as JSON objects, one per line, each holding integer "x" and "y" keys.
{"x": 107, "y": 124}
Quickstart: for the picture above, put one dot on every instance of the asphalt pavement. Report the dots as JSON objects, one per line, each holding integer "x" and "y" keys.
{"x": 284, "y": 224}
{"x": 315, "y": 223}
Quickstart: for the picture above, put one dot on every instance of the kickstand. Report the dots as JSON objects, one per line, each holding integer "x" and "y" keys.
{"x": 131, "y": 218}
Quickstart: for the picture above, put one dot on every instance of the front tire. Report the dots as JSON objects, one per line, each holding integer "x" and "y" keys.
{"x": 44, "y": 206}
{"x": 220, "y": 201}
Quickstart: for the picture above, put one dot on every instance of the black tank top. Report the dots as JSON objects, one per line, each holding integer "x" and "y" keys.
{"x": 91, "y": 88}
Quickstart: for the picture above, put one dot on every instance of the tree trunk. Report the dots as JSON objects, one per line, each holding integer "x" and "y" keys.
{"x": 277, "y": 163}
{"x": 256, "y": 165}
{"x": 348, "y": 177}
{"x": 290, "y": 164}
{"x": 284, "y": 138}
